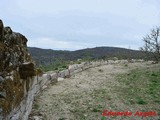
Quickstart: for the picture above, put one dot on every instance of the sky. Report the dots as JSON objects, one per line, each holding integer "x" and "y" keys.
{"x": 79, "y": 24}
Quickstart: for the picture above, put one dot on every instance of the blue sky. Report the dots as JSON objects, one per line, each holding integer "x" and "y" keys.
{"x": 78, "y": 24}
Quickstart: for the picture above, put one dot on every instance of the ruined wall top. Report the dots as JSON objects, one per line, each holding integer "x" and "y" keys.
{"x": 16, "y": 66}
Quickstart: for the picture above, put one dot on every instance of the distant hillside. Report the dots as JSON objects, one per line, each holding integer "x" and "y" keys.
{"x": 46, "y": 56}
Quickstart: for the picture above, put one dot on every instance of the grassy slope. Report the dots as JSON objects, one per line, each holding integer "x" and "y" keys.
{"x": 141, "y": 87}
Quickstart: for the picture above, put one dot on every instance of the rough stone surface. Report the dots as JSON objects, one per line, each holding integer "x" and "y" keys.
{"x": 36, "y": 118}
{"x": 124, "y": 61}
{"x": 54, "y": 77}
{"x": 61, "y": 74}
{"x": 14, "y": 86}
{"x": 1, "y": 30}
{"x": 1, "y": 79}
{"x": 66, "y": 72}
{"x": 2, "y": 94}
{"x": 60, "y": 79}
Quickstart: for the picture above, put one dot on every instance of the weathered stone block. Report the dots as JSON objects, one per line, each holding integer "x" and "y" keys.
{"x": 54, "y": 77}
{"x": 110, "y": 61}
{"x": 78, "y": 70}
{"x": 2, "y": 94}
{"x": 7, "y": 30}
{"x": 66, "y": 73}
{"x": 124, "y": 61}
{"x": 44, "y": 80}
{"x": 61, "y": 74}
{"x": 1, "y": 79}
{"x": 26, "y": 70}
{"x": 60, "y": 79}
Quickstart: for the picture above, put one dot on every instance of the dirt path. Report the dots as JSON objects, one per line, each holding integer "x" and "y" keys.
{"x": 83, "y": 96}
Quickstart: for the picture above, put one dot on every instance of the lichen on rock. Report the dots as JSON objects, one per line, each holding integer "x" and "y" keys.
{"x": 16, "y": 66}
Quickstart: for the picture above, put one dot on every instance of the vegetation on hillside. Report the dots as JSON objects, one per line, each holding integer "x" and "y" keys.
{"x": 56, "y": 65}
{"x": 48, "y": 59}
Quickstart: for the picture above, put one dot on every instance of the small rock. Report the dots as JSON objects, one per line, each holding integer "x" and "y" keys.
{"x": 7, "y": 30}
{"x": 100, "y": 70}
{"x": 1, "y": 110}
{"x": 1, "y": 78}
{"x": 60, "y": 79}
{"x": 36, "y": 118}
{"x": 10, "y": 64}
{"x": 2, "y": 94}
{"x": 44, "y": 87}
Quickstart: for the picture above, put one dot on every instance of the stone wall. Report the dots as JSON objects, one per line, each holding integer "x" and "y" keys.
{"x": 16, "y": 73}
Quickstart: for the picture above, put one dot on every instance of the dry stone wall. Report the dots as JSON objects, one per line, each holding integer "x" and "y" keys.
{"x": 16, "y": 74}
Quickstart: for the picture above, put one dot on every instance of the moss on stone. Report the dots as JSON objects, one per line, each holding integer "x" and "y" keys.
{"x": 26, "y": 70}
{"x": 39, "y": 72}
{"x": 13, "y": 68}
{"x": 14, "y": 93}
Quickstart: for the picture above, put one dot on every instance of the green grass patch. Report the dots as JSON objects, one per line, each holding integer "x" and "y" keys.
{"x": 141, "y": 86}
{"x": 91, "y": 107}
{"x": 36, "y": 106}
{"x": 56, "y": 65}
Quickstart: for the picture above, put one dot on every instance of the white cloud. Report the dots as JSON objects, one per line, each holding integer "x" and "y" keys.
{"x": 76, "y": 24}
{"x": 49, "y": 43}
{"x": 140, "y": 10}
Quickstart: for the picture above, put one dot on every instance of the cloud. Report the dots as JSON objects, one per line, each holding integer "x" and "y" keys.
{"x": 49, "y": 43}
{"x": 76, "y": 24}
{"x": 140, "y": 10}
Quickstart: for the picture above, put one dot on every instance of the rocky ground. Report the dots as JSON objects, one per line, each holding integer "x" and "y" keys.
{"x": 86, "y": 95}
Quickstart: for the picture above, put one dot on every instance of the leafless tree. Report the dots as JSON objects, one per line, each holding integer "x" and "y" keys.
{"x": 152, "y": 43}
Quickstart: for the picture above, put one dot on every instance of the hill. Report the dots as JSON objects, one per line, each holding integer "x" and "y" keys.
{"x": 46, "y": 56}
